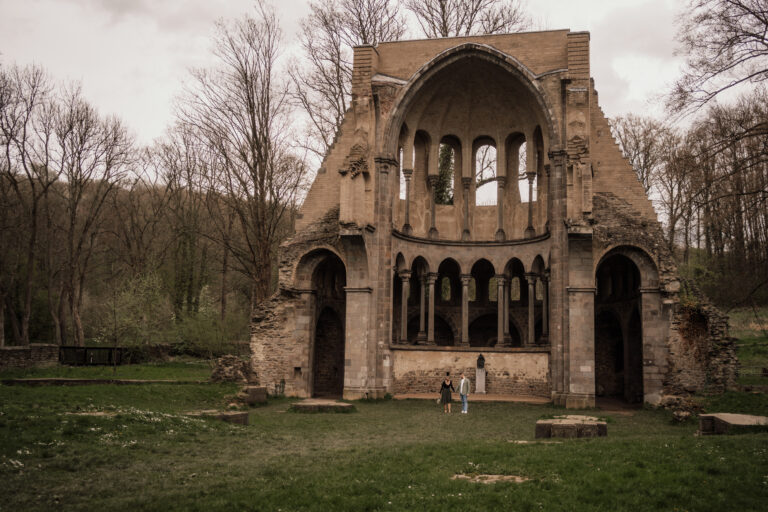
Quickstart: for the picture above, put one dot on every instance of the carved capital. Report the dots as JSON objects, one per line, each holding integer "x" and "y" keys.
{"x": 407, "y": 173}
{"x": 502, "y": 181}
{"x": 465, "y": 279}
{"x": 431, "y": 278}
{"x": 465, "y": 182}
{"x": 405, "y": 275}
{"x": 432, "y": 180}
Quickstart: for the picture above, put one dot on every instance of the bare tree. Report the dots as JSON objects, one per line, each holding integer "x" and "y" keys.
{"x": 322, "y": 84}
{"x": 641, "y": 139}
{"x": 25, "y": 136}
{"x": 239, "y": 112}
{"x": 726, "y": 45}
{"x": 91, "y": 155}
{"x": 449, "y": 18}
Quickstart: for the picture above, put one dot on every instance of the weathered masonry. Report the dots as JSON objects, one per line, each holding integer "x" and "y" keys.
{"x": 475, "y": 203}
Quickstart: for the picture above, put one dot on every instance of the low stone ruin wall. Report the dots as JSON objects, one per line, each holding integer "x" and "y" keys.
{"x": 702, "y": 354}
{"x": 36, "y": 354}
{"x": 423, "y": 370}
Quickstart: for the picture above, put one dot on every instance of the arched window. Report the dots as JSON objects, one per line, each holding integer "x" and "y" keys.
{"x": 514, "y": 289}
{"x": 493, "y": 290}
{"x": 402, "y": 176}
{"x": 446, "y": 163}
{"x": 485, "y": 175}
{"x": 445, "y": 289}
{"x": 522, "y": 169}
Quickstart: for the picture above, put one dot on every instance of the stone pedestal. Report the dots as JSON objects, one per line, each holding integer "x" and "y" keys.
{"x": 255, "y": 395}
{"x": 480, "y": 381}
{"x": 728, "y": 423}
{"x": 571, "y": 426}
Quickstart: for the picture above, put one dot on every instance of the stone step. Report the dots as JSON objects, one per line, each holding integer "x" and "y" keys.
{"x": 730, "y": 423}
{"x": 317, "y": 405}
{"x": 571, "y": 426}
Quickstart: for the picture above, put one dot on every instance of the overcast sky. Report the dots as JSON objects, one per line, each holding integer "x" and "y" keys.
{"x": 132, "y": 56}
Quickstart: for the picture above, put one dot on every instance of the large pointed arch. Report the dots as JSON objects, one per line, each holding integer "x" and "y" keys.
{"x": 389, "y": 138}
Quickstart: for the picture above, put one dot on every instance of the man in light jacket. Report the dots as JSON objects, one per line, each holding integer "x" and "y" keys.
{"x": 463, "y": 392}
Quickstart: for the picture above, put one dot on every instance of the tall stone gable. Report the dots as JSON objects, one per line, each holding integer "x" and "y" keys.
{"x": 532, "y": 247}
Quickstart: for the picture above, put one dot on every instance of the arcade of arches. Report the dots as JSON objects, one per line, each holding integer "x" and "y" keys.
{"x": 481, "y": 308}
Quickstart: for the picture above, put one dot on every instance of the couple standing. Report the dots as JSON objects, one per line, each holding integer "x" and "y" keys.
{"x": 447, "y": 387}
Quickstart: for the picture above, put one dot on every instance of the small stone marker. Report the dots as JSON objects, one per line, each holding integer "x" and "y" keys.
{"x": 255, "y": 395}
{"x": 571, "y": 426}
{"x": 729, "y": 423}
{"x": 312, "y": 405}
{"x": 239, "y": 417}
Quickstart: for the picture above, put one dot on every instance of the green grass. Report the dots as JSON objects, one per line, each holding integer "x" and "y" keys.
{"x": 391, "y": 455}
{"x": 750, "y": 327}
{"x": 191, "y": 369}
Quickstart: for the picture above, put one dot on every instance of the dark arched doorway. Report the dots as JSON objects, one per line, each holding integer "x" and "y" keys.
{"x": 618, "y": 330}
{"x": 328, "y": 368}
{"x": 328, "y": 281}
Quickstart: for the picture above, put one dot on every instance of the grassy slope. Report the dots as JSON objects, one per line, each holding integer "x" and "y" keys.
{"x": 388, "y": 456}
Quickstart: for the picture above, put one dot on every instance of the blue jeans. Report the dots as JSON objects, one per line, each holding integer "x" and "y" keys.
{"x": 463, "y": 403}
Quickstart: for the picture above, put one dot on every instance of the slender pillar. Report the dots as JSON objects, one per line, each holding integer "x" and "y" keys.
{"x": 501, "y": 181}
{"x": 531, "y": 278}
{"x": 465, "y": 182}
{"x": 431, "y": 279}
{"x": 432, "y": 181}
{"x": 529, "y": 231}
{"x": 507, "y": 340}
{"x": 405, "y": 277}
{"x": 421, "y": 337}
{"x": 500, "y": 292}
{"x": 407, "y": 229}
{"x": 465, "y": 309}
{"x": 545, "y": 308}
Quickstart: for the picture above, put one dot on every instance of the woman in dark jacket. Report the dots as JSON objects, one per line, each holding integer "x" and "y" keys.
{"x": 445, "y": 393}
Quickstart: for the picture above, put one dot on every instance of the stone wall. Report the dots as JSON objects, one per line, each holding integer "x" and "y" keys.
{"x": 36, "y": 354}
{"x": 695, "y": 352}
{"x": 518, "y": 372}
{"x": 702, "y": 356}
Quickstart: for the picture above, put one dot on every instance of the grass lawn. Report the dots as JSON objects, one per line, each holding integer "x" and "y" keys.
{"x": 182, "y": 369}
{"x": 390, "y": 455}
{"x": 751, "y": 328}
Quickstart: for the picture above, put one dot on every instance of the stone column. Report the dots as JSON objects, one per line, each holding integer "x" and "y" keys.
{"x": 531, "y": 278}
{"x": 431, "y": 279}
{"x": 529, "y": 231}
{"x": 500, "y": 292}
{"x": 465, "y": 182}
{"x": 432, "y": 181}
{"x": 545, "y": 308}
{"x": 558, "y": 274}
{"x": 465, "y": 309}
{"x": 405, "y": 277}
{"x": 501, "y": 181}
{"x": 421, "y": 337}
{"x": 407, "y": 229}
{"x": 507, "y": 340}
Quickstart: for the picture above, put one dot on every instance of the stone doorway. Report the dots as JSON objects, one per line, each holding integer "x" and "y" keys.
{"x": 328, "y": 282}
{"x": 328, "y": 368}
{"x": 618, "y": 331}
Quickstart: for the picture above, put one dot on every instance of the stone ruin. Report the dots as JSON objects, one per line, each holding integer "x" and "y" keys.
{"x": 475, "y": 202}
